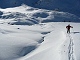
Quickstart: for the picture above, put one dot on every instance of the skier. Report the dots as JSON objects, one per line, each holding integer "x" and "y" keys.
{"x": 68, "y": 28}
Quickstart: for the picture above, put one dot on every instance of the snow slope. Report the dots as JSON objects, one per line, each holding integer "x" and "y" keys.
{"x": 45, "y": 41}
{"x": 29, "y": 33}
{"x": 57, "y": 44}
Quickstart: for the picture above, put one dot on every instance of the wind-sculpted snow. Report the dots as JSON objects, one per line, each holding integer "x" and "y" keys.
{"x": 15, "y": 15}
{"x": 42, "y": 15}
{"x": 23, "y": 41}
{"x": 57, "y": 44}
{"x": 44, "y": 41}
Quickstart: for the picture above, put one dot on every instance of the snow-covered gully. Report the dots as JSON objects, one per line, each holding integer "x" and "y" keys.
{"x": 71, "y": 48}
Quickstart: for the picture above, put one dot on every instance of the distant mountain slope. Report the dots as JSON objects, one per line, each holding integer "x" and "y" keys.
{"x": 26, "y": 15}
{"x": 71, "y": 6}
{"x": 15, "y": 3}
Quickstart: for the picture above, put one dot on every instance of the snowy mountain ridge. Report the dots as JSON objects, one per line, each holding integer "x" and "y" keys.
{"x": 71, "y": 6}
{"x": 26, "y": 15}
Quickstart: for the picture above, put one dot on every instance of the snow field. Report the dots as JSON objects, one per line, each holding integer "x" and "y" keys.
{"x": 28, "y": 33}
{"x": 59, "y": 46}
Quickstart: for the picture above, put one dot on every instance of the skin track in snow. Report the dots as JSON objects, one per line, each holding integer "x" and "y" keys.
{"x": 71, "y": 48}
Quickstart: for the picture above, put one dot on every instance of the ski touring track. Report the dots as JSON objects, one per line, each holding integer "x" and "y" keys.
{"x": 71, "y": 48}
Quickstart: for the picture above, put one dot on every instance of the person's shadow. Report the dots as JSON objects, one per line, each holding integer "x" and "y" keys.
{"x": 75, "y": 32}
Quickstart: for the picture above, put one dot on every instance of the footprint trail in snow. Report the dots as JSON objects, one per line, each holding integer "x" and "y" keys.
{"x": 71, "y": 48}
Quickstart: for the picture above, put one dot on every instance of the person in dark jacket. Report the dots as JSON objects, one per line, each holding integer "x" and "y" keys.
{"x": 68, "y": 28}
